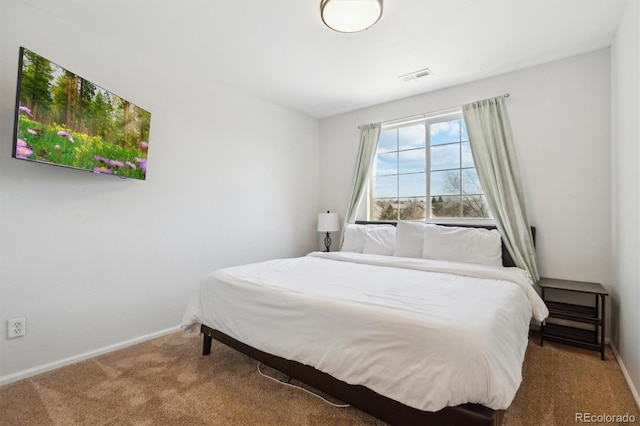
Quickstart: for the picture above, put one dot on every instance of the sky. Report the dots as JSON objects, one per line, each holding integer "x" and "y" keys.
{"x": 401, "y": 161}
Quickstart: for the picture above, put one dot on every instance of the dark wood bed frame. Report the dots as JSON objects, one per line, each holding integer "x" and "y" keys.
{"x": 361, "y": 397}
{"x": 384, "y": 408}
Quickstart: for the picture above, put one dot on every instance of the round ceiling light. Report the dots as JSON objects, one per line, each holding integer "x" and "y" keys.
{"x": 350, "y": 16}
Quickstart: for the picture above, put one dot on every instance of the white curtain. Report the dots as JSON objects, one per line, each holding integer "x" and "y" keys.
{"x": 494, "y": 155}
{"x": 369, "y": 134}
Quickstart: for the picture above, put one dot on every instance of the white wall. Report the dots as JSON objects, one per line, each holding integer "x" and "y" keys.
{"x": 560, "y": 119}
{"x": 92, "y": 260}
{"x": 625, "y": 61}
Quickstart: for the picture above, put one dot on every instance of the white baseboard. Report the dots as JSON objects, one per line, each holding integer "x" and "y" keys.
{"x": 625, "y": 373}
{"x": 30, "y": 372}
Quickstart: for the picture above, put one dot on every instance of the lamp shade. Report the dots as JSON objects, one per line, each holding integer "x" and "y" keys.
{"x": 328, "y": 222}
{"x": 350, "y": 16}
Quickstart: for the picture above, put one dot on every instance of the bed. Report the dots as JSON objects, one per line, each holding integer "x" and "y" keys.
{"x": 395, "y": 325}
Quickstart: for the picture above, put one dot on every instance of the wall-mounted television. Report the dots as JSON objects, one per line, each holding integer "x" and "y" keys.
{"x": 65, "y": 120}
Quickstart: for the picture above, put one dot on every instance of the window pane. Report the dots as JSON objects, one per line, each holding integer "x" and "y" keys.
{"x": 445, "y": 182}
{"x": 445, "y": 157}
{"x": 445, "y": 206}
{"x": 412, "y": 137}
{"x": 388, "y": 141}
{"x": 413, "y": 208}
{"x": 475, "y": 206}
{"x": 386, "y": 186}
{"x": 471, "y": 182}
{"x": 412, "y": 161}
{"x": 467, "y": 156}
{"x": 445, "y": 132}
{"x": 412, "y": 185}
{"x": 387, "y": 164}
{"x": 385, "y": 209}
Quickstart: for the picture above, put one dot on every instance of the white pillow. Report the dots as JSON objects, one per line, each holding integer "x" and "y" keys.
{"x": 380, "y": 241}
{"x": 354, "y": 236}
{"x": 410, "y": 238}
{"x": 471, "y": 245}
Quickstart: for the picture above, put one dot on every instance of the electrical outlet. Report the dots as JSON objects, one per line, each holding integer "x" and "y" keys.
{"x": 16, "y": 327}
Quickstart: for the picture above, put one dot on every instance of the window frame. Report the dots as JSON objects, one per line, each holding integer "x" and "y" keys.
{"x": 427, "y": 120}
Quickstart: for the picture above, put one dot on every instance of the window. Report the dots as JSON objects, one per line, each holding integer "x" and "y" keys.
{"x": 424, "y": 170}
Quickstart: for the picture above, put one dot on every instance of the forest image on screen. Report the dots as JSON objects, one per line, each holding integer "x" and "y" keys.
{"x": 65, "y": 120}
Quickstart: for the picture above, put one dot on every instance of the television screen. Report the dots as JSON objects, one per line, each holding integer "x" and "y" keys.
{"x": 65, "y": 120}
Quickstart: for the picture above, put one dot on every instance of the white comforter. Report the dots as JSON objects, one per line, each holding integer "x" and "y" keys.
{"x": 429, "y": 334}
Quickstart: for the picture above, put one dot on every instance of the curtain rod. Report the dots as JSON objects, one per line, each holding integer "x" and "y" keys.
{"x": 400, "y": 120}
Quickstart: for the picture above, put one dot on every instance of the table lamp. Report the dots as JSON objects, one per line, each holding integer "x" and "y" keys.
{"x": 328, "y": 222}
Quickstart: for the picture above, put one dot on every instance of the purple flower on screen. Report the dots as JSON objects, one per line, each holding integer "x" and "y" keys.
{"x": 143, "y": 164}
{"x": 26, "y": 111}
{"x": 97, "y": 158}
{"x": 32, "y": 132}
{"x": 130, "y": 164}
{"x": 105, "y": 160}
{"x": 23, "y": 152}
{"x": 66, "y": 135}
{"x": 103, "y": 170}
{"x": 57, "y": 147}
{"x": 144, "y": 145}
{"x": 22, "y": 142}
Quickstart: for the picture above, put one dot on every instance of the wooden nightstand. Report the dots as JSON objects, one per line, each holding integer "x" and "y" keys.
{"x": 590, "y": 337}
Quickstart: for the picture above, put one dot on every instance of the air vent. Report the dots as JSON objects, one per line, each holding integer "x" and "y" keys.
{"x": 415, "y": 75}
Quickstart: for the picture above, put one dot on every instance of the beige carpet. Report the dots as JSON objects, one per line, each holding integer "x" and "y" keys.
{"x": 167, "y": 382}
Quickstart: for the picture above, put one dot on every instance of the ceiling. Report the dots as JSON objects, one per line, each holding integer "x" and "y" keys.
{"x": 280, "y": 50}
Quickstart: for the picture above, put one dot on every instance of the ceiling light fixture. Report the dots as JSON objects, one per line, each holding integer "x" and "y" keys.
{"x": 350, "y": 16}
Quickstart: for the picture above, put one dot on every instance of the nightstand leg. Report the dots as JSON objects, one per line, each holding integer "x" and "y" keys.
{"x": 603, "y": 328}
{"x": 542, "y": 322}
